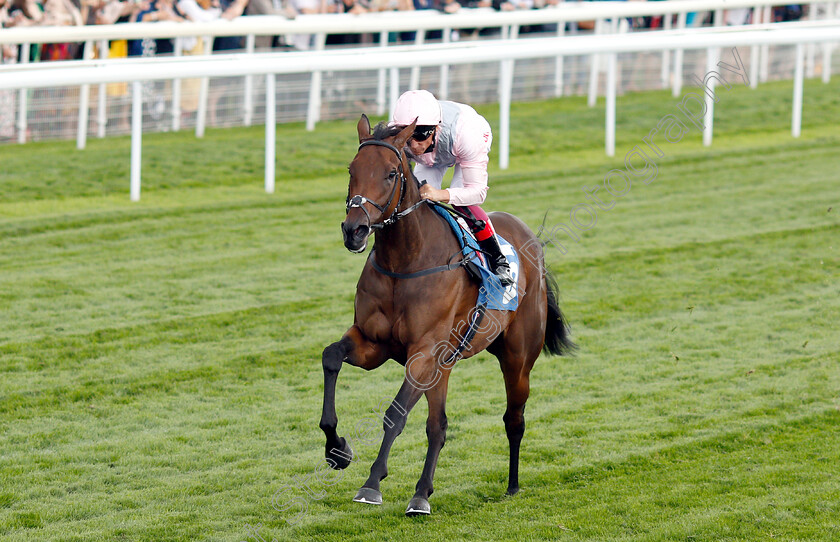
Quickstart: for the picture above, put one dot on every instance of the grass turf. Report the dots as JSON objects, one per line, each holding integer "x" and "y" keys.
{"x": 160, "y": 361}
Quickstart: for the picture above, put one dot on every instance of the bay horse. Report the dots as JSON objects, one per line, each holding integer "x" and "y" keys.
{"x": 411, "y": 300}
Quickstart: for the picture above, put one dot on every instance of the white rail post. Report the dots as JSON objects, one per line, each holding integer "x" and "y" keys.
{"x": 176, "y": 90}
{"x": 676, "y": 87}
{"x": 666, "y": 53}
{"x": 709, "y": 118}
{"x": 620, "y": 26}
{"x": 509, "y": 32}
{"x": 22, "y": 95}
{"x": 102, "y": 104}
{"x": 558, "y": 63}
{"x": 505, "y": 91}
{"x": 610, "y": 113}
{"x": 826, "y": 73}
{"x": 394, "y": 93}
{"x": 443, "y": 92}
{"x": 764, "y": 74}
{"x": 812, "y": 47}
{"x": 203, "y": 92}
{"x": 270, "y": 131}
{"x": 414, "y": 81}
{"x": 84, "y": 103}
{"x": 313, "y": 112}
{"x": 796, "y": 122}
{"x": 754, "y": 51}
{"x": 380, "y": 88}
{"x": 248, "y": 106}
{"x": 136, "y": 137}
{"x": 594, "y": 68}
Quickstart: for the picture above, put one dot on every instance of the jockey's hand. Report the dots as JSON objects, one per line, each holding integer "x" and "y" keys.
{"x": 434, "y": 194}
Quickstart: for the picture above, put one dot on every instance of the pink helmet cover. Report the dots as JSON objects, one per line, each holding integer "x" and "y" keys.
{"x": 419, "y": 104}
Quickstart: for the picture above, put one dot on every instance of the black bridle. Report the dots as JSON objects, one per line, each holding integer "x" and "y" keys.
{"x": 359, "y": 200}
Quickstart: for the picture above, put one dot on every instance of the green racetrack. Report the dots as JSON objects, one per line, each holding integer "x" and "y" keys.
{"x": 160, "y": 375}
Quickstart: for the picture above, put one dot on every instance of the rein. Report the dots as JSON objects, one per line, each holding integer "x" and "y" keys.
{"x": 360, "y": 201}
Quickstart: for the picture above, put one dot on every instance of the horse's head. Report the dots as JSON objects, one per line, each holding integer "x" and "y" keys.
{"x": 377, "y": 181}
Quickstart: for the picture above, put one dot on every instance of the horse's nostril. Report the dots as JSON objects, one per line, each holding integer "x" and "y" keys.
{"x": 361, "y": 232}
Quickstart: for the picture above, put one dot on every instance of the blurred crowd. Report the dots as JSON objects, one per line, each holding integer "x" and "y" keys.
{"x": 16, "y": 13}
{"x": 19, "y": 13}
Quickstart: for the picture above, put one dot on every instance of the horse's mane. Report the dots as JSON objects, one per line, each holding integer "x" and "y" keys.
{"x": 383, "y": 131}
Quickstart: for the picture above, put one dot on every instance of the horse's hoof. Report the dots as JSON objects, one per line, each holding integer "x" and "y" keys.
{"x": 512, "y": 491}
{"x": 418, "y": 506}
{"x": 339, "y": 461}
{"x": 368, "y": 496}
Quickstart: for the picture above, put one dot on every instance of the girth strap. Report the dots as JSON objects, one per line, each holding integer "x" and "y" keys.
{"x": 416, "y": 274}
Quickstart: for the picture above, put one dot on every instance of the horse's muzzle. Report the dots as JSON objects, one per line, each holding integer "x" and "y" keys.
{"x": 355, "y": 236}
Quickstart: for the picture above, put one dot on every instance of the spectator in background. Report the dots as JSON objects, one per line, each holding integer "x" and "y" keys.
{"x": 156, "y": 10}
{"x": 8, "y": 55}
{"x": 60, "y": 13}
{"x": 392, "y": 5}
{"x": 512, "y": 5}
{"x": 736, "y": 17}
{"x": 205, "y": 11}
{"x": 450, "y": 6}
{"x": 420, "y": 5}
{"x": 212, "y": 10}
{"x": 304, "y": 42}
{"x": 116, "y": 12}
{"x": 153, "y": 91}
{"x": 231, "y": 9}
{"x": 22, "y": 13}
{"x": 269, "y": 7}
{"x": 353, "y": 7}
{"x": 787, "y": 13}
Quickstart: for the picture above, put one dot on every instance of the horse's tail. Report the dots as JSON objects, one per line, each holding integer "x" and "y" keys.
{"x": 558, "y": 339}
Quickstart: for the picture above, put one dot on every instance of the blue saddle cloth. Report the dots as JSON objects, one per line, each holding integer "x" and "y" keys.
{"x": 491, "y": 293}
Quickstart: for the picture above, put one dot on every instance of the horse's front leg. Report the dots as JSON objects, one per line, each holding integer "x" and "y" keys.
{"x": 436, "y": 433}
{"x": 393, "y": 424}
{"x": 421, "y": 373}
{"x": 354, "y": 349}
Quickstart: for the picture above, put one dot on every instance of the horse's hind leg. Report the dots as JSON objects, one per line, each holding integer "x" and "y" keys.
{"x": 516, "y": 358}
{"x": 356, "y": 350}
{"x": 517, "y": 386}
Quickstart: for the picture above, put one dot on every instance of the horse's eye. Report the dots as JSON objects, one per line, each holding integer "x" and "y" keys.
{"x": 392, "y": 175}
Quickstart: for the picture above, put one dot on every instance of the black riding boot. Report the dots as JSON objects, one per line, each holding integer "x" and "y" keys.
{"x": 497, "y": 261}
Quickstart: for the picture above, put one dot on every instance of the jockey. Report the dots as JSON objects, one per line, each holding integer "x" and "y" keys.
{"x": 453, "y": 134}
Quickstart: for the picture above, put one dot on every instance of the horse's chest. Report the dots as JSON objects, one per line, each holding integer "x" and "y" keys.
{"x": 385, "y": 328}
{"x": 377, "y": 327}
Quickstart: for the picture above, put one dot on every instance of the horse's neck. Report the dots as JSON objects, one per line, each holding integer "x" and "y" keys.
{"x": 412, "y": 243}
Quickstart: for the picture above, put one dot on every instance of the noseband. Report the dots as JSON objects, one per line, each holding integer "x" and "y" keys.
{"x": 359, "y": 201}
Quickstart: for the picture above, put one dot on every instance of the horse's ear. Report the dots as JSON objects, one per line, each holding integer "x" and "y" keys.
{"x": 404, "y": 134}
{"x": 363, "y": 128}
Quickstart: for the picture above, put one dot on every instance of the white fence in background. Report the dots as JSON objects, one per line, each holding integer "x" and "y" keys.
{"x": 393, "y": 58}
{"x": 610, "y": 17}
